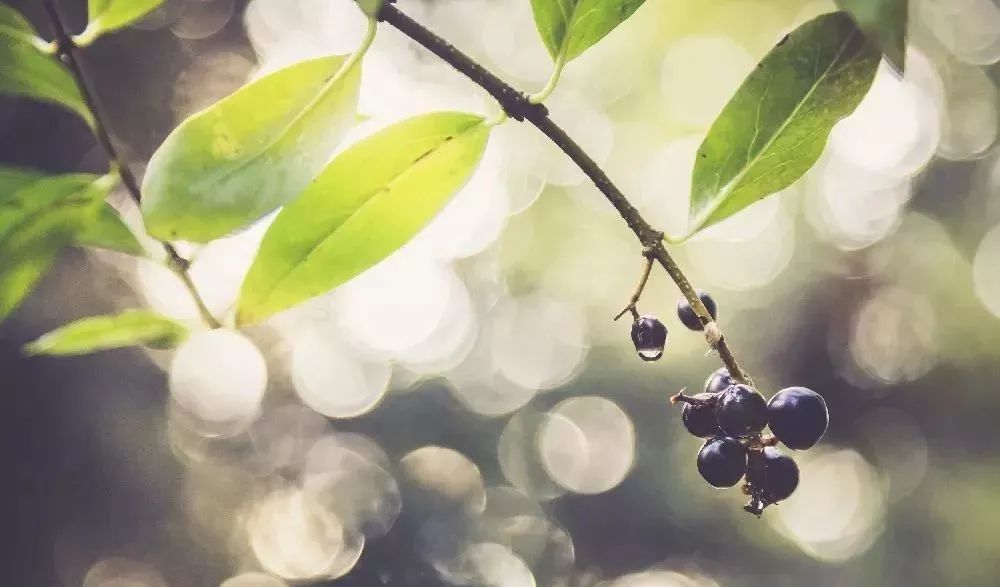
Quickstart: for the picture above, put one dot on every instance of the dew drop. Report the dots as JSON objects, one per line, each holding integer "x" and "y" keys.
{"x": 650, "y": 353}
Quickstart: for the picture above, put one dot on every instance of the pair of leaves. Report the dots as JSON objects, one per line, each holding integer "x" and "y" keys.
{"x": 776, "y": 125}
{"x": 251, "y": 152}
{"x": 38, "y": 217}
{"x": 570, "y": 27}
{"x": 98, "y": 333}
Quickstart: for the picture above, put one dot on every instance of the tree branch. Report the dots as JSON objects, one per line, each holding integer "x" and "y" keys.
{"x": 66, "y": 51}
{"x": 520, "y": 108}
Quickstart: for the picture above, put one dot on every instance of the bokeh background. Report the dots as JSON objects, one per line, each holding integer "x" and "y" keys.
{"x": 467, "y": 412}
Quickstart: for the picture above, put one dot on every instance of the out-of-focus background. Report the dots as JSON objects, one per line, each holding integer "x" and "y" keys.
{"x": 467, "y": 412}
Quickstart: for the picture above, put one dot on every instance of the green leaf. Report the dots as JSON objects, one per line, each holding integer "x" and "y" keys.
{"x": 250, "y": 153}
{"x": 884, "y": 23}
{"x": 105, "y": 16}
{"x": 371, "y": 8}
{"x": 367, "y": 203}
{"x": 776, "y": 125}
{"x": 570, "y": 27}
{"x": 28, "y": 69}
{"x": 98, "y": 333}
{"x": 109, "y": 231}
{"x": 36, "y": 221}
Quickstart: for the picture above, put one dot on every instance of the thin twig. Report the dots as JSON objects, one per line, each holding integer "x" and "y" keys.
{"x": 631, "y": 307}
{"x": 66, "y": 51}
{"x": 519, "y": 107}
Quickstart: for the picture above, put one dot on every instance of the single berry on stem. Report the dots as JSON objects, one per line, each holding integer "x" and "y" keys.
{"x": 719, "y": 381}
{"x": 722, "y": 461}
{"x": 699, "y": 418}
{"x": 649, "y": 336}
{"x": 687, "y": 314}
{"x": 772, "y": 477}
{"x": 741, "y": 411}
{"x": 798, "y": 417}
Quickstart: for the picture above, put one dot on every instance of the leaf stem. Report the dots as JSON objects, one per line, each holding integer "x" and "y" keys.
{"x": 550, "y": 86}
{"x": 520, "y": 107}
{"x": 66, "y": 52}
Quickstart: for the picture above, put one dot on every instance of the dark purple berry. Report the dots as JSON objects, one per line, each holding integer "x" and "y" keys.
{"x": 687, "y": 314}
{"x": 772, "y": 476}
{"x": 741, "y": 410}
{"x": 722, "y": 461}
{"x": 719, "y": 381}
{"x": 798, "y": 417}
{"x": 649, "y": 336}
{"x": 699, "y": 418}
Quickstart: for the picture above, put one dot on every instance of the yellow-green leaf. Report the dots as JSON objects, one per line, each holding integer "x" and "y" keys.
{"x": 370, "y": 7}
{"x": 108, "y": 231}
{"x": 367, "y": 203}
{"x": 36, "y": 221}
{"x": 99, "y": 333}
{"x": 104, "y": 16}
{"x": 776, "y": 125}
{"x": 251, "y": 152}
{"x": 570, "y": 27}
{"x": 884, "y": 23}
{"x": 27, "y": 67}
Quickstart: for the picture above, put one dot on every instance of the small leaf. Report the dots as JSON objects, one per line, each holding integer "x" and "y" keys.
{"x": 27, "y": 70}
{"x": 105, "y": 16}
{"x": 250, "y": 153}
{"x": 367, "y": 203}
{"x": 36, "y": 221}
{"x": 109, "y": 231}
{"x": 776, "y": 125}
{"x": 98, "y": 333}
{"x": 371, "y": 8}
{"x": 570, "y": 27}
{"x": 884, "y": 23}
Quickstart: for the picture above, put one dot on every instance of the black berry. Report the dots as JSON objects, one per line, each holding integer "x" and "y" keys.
{"x": 722, "y": 461}
{"x": 649, "y": 336}
{"x": 719, "y": 381}
{"x": 772, "y": 476}
{"x": 741, "y": 410}
{"x": 699, "y": 418}
{"x": 798, "y": 417}
{"x": 687, "y": 315}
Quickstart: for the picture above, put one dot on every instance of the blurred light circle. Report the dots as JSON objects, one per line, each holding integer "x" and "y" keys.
{"x": 732, "y": 18}
{"x": 515, "y": 47}
{"x": 294, "y": 538}
{"x": 524, "y": 170}
{"x": 969, "y": 125}
{"x": 331, "y": 379}
{"x": 504, "y": 501}
{"x": 357, "y": 490}
{"x": 253, "y": 580}
{"x": 698, "y": 76}
{"x": 838, "y": 509}
{"x": 894, "y": 336}
{"x": 218, "y": 377}
{"x": 985, "y": 273}
{"x": 122, "y": 572}
{"x": 519, "y": 458}
{"x": 587, "y": 445}
{"x": 538, "y": 342}
{"x": 970, "y": 29}
{"x": 201, "y": 19}
{"x": 589, "y": 127}
{"x": 545, "y": 547}
{"x": 493, "y": 565}
{"x": 659, "y": 579}
{"x": 438, "y": 479}
{"x": 666, "y": 181}
{"x": 453, "y": 338}
{"x": 899, "y": 449}
{"x": 162, "y": 16}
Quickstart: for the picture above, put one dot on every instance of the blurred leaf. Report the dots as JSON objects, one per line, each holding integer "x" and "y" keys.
{"x": 370, "y": 7}
{"x": 570, "y": 27}
{"x": 251, "y": 152}
{"x": 884, "y": 23}
{"x": 367, "y": 203}
{"x": 108, "y": 231}
{"x": 98, "y": 333}
{"x": 105, "y": 16}
{"x": 776, "y": 125}
{"x": 26, "y": 68}
{"x": 36, "y": 221}
{"x": 15, "y": 178}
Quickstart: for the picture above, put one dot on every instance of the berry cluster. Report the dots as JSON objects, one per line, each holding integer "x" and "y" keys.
{"x": 731, "y": 416}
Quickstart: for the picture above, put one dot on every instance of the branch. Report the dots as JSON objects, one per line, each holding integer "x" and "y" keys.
{"x": 66, "y": 51}
{"x": 520, "y": 108}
